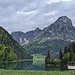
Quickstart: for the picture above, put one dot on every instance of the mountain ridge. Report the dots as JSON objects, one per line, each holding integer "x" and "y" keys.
{"x": 57, "y": 35}
{"x": 61, "y": 29}
{"x": 25, "y": 37}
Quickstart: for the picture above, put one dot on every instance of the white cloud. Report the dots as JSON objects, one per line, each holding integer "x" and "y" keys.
{"x": 25, "y": 15}
{"x": 56, "y": 1}
{"x": 51, "y": 13}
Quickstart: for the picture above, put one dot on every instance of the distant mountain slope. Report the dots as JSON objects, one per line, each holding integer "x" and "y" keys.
{"x": 24, "y": 38}
{"x": 61, "y": 29}
{"x": 42, "y": 46}
{"x": 9, "y": 48}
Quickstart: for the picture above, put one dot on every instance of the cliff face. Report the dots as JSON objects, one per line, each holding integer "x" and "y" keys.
{"x": 24, "y": 38}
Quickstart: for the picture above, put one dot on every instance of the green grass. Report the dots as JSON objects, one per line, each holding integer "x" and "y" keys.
{"x": 32, "y": 72}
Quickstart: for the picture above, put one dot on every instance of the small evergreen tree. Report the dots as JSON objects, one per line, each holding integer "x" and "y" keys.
{"x": 48, "y": 54}
{"x": 47, "y": 59}
{"x": 65, "y": 49}
{"x": 60, "y": 54}
{"x": 60, "y": 57}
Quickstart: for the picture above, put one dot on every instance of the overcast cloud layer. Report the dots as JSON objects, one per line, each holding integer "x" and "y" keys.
{"x": 25, "y": 15}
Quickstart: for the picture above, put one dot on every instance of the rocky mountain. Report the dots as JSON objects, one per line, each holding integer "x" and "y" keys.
{"x": 61, "y": 29}
{"x": 53, "y": 37}
{"x": 19, "y": 37}
{"x": 24, "y": 38}
{"x": 9, "y": 48}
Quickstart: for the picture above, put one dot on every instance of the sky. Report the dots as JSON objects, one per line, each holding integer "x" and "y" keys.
{"x": 26, "y": 15}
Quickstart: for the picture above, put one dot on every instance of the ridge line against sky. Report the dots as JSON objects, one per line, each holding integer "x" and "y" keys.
{"x": 26, "y": 15}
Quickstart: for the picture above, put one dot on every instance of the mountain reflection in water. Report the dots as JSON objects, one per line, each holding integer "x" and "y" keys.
{"x": 28, "y": 65}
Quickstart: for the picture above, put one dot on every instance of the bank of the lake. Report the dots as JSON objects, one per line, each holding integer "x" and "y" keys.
{"x": 35, "y": 72}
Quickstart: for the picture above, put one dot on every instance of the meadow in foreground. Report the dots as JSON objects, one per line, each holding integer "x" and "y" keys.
{"x": 32, "y": 72}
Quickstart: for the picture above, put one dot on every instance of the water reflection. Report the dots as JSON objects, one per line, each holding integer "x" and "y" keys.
{"x": 38, "y": 62}
{"x": 25, "y": 65}
{"x": 29, "y": 65}
{"x": 7, "y": 65}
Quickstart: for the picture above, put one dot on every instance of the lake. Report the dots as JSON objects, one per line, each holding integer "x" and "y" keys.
{"x": 29, "y": 65}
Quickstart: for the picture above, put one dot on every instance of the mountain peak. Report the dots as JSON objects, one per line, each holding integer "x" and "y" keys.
{"x": 37, "y": 29}
{"x": 62, "y": 28}
{"x": 16, "y": 32}
{"x": 63, "y": 19}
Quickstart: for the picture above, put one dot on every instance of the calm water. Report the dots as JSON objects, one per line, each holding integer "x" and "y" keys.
{"x": 28, "y": 65}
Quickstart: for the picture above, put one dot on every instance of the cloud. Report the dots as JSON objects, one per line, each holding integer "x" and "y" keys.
{"x": 56, "y": 1}
{"x": 25, "y": 15}
{"x": 50, "y": 13}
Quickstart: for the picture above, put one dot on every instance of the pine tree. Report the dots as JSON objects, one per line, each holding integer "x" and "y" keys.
{"x": 60, "y": 57}
{"x": 47, "y": 59}
{"x": 65, "y": 49}
{"x": 48, "y": 54}
{"x": 60, "y": 54}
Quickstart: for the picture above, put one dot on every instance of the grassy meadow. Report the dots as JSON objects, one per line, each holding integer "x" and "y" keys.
{"x": 32, "y": 72}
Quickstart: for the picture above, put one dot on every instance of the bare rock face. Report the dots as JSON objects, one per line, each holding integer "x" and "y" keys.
{"x": 25, "y": 38}
{"x": 62, "y": 28}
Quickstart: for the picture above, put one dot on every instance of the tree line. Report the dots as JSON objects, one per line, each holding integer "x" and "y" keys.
{"x": 65, "y": 56}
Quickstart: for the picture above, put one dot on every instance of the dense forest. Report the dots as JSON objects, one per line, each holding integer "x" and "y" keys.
{"x": 69, "y": 53}
{"x": 9, "y": 48}
{"x": 65, "y": 57}
{"x": 42, "y": 46}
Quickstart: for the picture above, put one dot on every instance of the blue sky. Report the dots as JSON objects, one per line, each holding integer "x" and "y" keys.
{"x": 26, "y": 15}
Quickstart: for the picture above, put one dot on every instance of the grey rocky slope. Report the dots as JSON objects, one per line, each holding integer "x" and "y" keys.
{"x": 61, "y": 29}
{"x": 24, "y": 38}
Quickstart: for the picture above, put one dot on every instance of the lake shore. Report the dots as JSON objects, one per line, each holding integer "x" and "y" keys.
{"x": 35, "y": 72}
